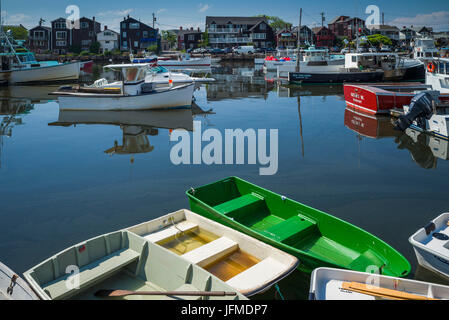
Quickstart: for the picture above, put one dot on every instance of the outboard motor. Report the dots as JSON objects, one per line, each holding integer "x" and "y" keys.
{"x": 420, "y": 110}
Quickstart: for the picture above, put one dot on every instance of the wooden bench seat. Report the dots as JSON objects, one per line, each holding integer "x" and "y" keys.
{"x": 212, "y": 252}
{"x": 244, "y": 202}
{"x": 295, "y": 226}
{"x": 170, "y": 232}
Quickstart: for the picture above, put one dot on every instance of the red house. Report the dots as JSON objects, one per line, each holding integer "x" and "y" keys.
{"x": 323, "y": 37}
{"x": 344, "y": 26}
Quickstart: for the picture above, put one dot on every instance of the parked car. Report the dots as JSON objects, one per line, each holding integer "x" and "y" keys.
{"x": 217, "y": 51}
{"x": 245, "y": 50}
{"x": 227, "y": 50}
{"x": 200, "y": 50}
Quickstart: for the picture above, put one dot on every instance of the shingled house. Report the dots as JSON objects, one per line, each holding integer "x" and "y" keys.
{"x": 135, "y": 35}
{"x": 228, "y": 32}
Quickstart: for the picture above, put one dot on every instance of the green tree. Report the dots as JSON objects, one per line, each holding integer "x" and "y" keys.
{"x": 18, "y": 33}
{"x": 95, "y": 48}
{"x": 378, "y": 39}
{"x": 275, "y": 22}
{"x": 75, "y": 49}
{"x": 153, "y": 48}
{"x": 205, "y": 39}
{"x": 170, "y": 37}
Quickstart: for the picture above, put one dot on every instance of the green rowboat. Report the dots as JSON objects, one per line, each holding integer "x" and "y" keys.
{"x": 316, "y": 238}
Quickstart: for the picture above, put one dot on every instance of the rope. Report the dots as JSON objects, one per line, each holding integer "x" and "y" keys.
{"x": 278, "y": 291}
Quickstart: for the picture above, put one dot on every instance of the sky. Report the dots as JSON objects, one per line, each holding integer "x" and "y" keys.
{"x": 175, "y": 13}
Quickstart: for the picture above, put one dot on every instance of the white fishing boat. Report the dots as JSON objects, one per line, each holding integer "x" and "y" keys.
{"x": 336, "y": 284}
{"x": 133, "y": 93}
{"x": 246, "y": 264}
{"x": 12, "y": 287}
{"x": 431, "y": 245}
{"x": 437, "y": 75}
{"x": 18, "y": 65}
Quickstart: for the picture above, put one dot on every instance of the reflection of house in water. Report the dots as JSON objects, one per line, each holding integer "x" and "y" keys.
{"x": 137, "y": 126}
{"x": 424, "y": 149}
{"x": 238, "y": 82}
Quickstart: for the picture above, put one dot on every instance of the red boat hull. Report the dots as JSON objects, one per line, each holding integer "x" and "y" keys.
{"x": 377, "y": 100}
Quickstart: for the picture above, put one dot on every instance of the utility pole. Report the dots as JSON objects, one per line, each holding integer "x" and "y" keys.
{"x": 322, "y": 19}
{"x": 383, "y": 18}
{"x": 154, "y": 19}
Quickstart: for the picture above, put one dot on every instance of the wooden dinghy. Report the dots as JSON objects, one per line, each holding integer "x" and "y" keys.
{"x": 246, "y": 264}
{"x": 122, "y": 265}
{"x": 337, "y": 284}
{"x": 317, "y": 239}
{"x": 431, "y": 245}
{"x": 12, "y": 287}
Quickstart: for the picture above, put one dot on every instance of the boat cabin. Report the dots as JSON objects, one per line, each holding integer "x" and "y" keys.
{"x": 132, "y": 77}
{"x": 425, "y": 48}
{"x": 370, "y": 61}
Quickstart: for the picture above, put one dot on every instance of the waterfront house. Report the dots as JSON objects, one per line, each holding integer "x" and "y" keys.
{"x": 86, "y": 33}
{"x": 323, "y": 37}
{"x": 39, "y": 38}
{"x": 188, "y": 38}
{"x": 61, "y": 36}
{"x": 286, "y": 38}
{"x": 406, "y": 36}
{"x": 108, "y": 40}
{"x": 228, "y": 32}
{"x": 347, "y": 27}
{"x": 136, "y": 36}
{"x": 392, "y": 32}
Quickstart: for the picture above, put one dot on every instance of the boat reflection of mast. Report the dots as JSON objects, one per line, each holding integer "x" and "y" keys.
{"x": 300, "y": 126}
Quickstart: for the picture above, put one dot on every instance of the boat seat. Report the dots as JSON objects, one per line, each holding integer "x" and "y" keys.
{"x": 294, "y": 227}
{"x": 91, "y": 274}
{"x": 170, "y": 232}
{"x": 263, "y": 272}
{"x": 248, "y": 202}
{"x": 439, "y": 245}
{"x": 212, "y": 252}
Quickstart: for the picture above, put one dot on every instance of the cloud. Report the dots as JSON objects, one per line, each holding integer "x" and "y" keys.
{"x": 15, "y": 19}
{"x": 203, "y": 8}
{"x": 160, "y": 11}
{"x": 437, "y": 20}
{"x": 112, "y": 13}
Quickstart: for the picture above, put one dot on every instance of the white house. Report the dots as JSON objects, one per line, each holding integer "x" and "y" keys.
{"x": 108, "y": 39}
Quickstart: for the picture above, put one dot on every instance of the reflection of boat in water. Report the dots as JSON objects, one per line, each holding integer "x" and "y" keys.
{"x": 136, "y": 125}
{"x": 316, "y": 90}
{"x": 424, "y": 149}
{"x": 370, "y": 126}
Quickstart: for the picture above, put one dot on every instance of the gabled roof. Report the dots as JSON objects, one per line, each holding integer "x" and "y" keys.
{"x": 319, "y": 29}
{"x": 338, "y": 18}
{"x": 41, "y": 27}
{"x": 256, "y": 25}
{"x": 382, "y": 27}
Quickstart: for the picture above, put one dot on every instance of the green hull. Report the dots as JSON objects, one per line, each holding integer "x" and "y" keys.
{"x": 316, "y": 238}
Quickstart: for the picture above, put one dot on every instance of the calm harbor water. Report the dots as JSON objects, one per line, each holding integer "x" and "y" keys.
{"x": 66, "y": 177}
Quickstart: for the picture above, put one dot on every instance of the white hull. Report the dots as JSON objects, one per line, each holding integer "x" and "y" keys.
{"x": 273, "y": 264}
{"x": 433, "y": 253}
{"x": 437, "y": 125}
{"x": 327, "y": 283}
{"x": 177, "y": 97}
{"x": 60, "y": 72}
{"x": 439, "y": 82}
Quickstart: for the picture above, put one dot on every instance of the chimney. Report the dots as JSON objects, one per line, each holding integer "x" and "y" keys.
{"x": 180, "y": 28}
{"x": 93, "y": 19}
{"x": 191, "y": 28}
{"x": 105, "y": 27}
{"x": 199, "y": 30}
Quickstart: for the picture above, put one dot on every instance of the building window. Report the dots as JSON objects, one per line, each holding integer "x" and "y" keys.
{"x": 91, "y": 33}
{"x": 60, "y": 25}
{"x": 134, "y": 25}
{"x": 136, "y": 44}
{"x": 84, "y": 25}
{"x": 61, "y": 35}
{"x": 61, "y": 43}
{"x": 85, "y": 43}
{"x": 124, "y": 25}
{"x": 39, "y": 34}
{"x": 191, "y": 37}
{"x": 263, "y": 26}
{"x": 124, "y": 34}
{"x": 145, "y": 34}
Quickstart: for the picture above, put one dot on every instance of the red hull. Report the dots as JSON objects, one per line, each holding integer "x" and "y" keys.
{"x": 377, "y": 100}
{"x": 369, "y": 125}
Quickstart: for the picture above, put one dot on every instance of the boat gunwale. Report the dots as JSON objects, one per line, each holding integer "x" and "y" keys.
{"x": 291, "y": 248}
